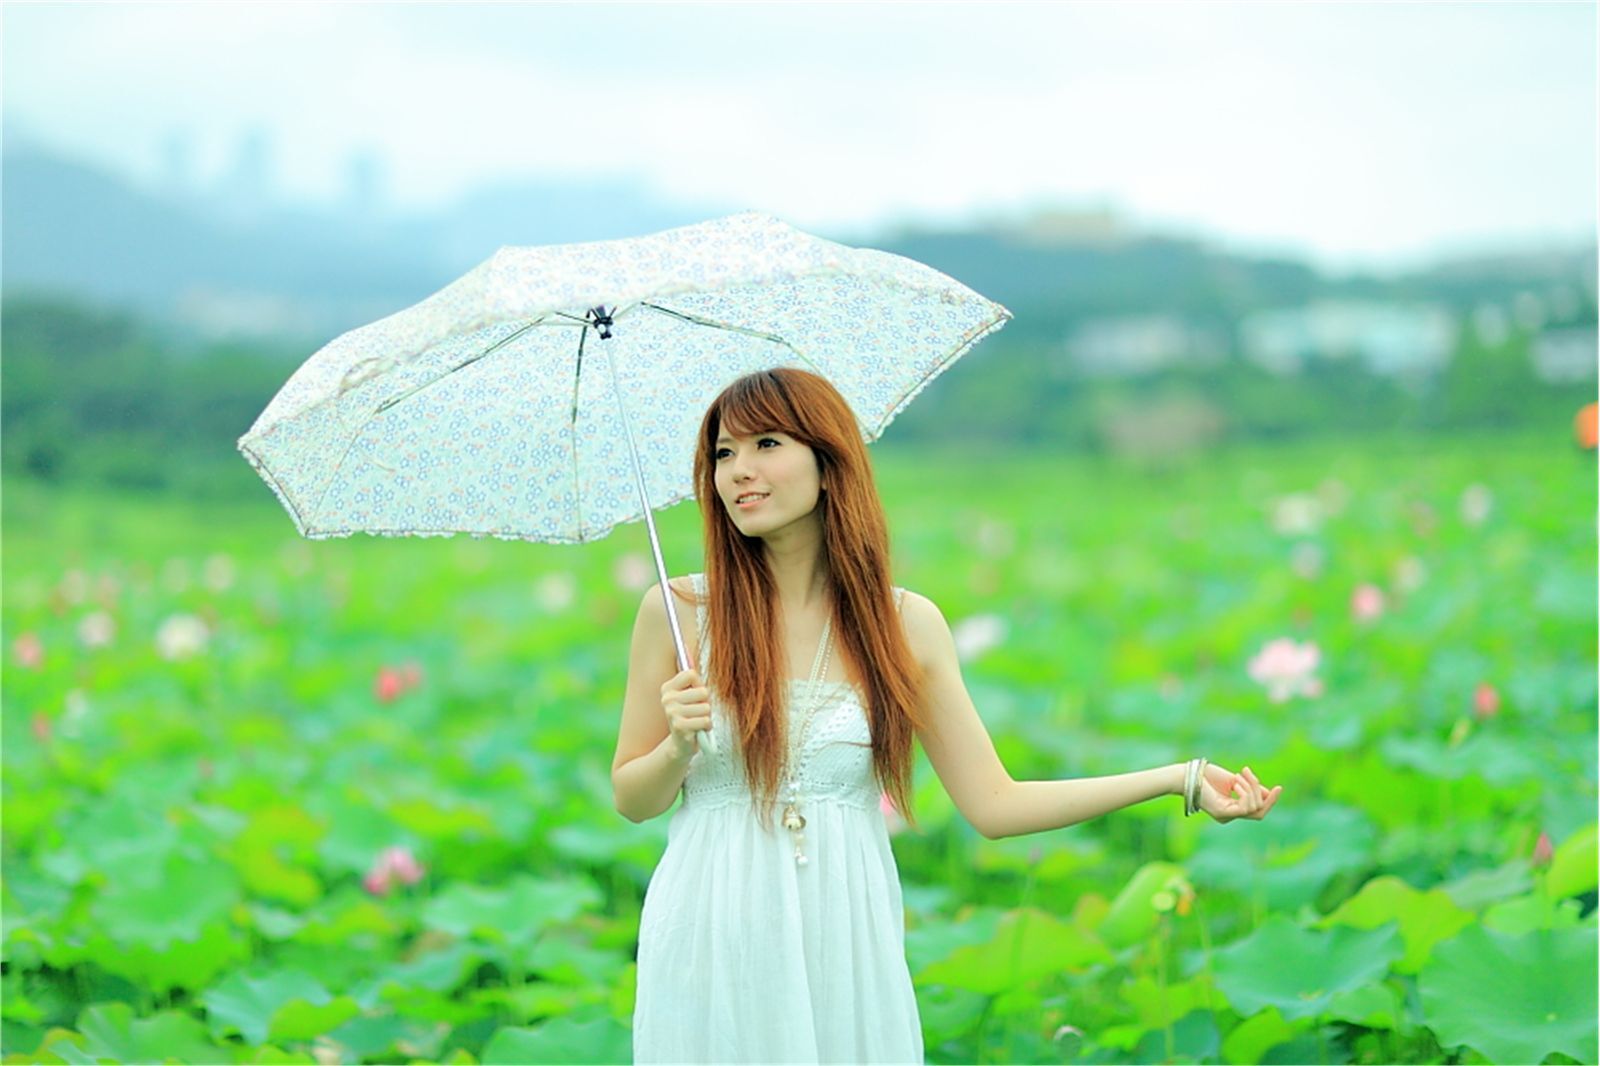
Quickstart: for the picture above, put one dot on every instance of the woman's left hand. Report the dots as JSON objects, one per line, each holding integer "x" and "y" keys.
{"x": 1226, "y": 795}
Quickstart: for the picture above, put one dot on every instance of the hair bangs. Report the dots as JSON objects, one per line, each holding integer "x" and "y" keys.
{"x": 752, "y": 404}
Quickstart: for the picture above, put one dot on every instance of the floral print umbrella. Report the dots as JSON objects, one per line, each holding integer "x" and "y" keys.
{"x": 554, "y": 392}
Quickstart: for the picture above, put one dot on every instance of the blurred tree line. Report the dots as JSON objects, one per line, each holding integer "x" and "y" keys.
{"x": 102, "y": 397}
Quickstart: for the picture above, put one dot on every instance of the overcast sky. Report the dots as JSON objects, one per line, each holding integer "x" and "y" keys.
{"x": 1353, "y": 133}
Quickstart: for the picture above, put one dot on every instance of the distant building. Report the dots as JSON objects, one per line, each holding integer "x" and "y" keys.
{"x": 248, "y": 187}
{"x": 1139, "y": 344}
{"x": 1566, "y": 356}
{"x": 1391, "y": 339}
{"x": 1063, "y": 226}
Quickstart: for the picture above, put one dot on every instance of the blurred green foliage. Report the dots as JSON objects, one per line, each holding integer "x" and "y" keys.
{"x": 206, "y": 757}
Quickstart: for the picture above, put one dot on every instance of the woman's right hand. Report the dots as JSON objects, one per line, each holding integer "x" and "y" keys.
{"x": 687, "y": 704}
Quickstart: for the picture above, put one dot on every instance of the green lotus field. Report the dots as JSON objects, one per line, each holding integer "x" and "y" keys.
{"x": 274, "y": 800}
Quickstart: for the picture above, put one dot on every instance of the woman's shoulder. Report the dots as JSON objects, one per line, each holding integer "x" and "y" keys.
{"x": 911, "y": 600}
{"x": 684, "y": 588}
{"x": 926, "y": 628}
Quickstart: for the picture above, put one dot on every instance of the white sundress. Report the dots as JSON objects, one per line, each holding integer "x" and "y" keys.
{"x": 745, "y": 955}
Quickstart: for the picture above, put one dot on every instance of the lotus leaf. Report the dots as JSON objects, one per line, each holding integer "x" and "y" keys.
{"x": 1514, "y": 998}
{"x": 1300, "y": 971}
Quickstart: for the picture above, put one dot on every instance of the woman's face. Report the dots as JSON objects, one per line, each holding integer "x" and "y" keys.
{"x": 775, "y": 473}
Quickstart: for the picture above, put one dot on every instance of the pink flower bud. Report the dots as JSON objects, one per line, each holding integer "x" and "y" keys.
{"x": 29, "y": 650}
{"x": 1285, "y": 668}
{"x": 1543, "y": 851}
{"x": 392, "y": 864}
{"x": 388, "y": 685}
{"x": 41, "y": 727}
{"x": 1366, "y": 603}
{"x": 1485, "y": 700}
{"x": 403, "y": 865}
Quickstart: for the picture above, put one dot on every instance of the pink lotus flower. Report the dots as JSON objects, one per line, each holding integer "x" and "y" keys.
{"x": 1366, "y": 603}
{"x": 1296, "y": 514}
{"x": 890, "y": 815}
{"x": 1285, "y": 668}
{"x": 556, "y": 591}
{"x": 97, "y": 629}
{"x": 393, "y": 682}
{"x": 1543, "y": 851}
{"x": 29, "y": 650}
{"x": 388, "y": 685}
{"x": 1476, "y": 503}
{"x": 394, "y": 864}
{"x": 182, "y": 636}
{"x": 1485, "y": 700}
{"x": 975, "y": 635}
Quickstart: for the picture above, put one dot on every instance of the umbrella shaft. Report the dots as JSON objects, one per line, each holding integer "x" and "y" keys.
{"x": 649, "y": 519}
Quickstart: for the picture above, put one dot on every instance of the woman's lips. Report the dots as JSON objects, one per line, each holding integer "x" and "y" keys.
{"x": 746, "y": 505}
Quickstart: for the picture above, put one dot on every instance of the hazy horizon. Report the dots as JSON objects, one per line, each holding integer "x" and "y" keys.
{"x": 1350, "y": 135}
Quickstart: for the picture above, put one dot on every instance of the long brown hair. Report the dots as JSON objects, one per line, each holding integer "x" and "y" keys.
{"x": 748, "y": 671}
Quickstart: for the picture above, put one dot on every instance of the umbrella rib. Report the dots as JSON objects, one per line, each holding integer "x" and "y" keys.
{"x": 391, "y": 401}
{"x": 496, "y": 346}
{"x": 700, "y": 320}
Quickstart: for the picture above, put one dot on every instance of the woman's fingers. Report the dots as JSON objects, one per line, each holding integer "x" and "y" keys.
{"x": 1239, "y": 795}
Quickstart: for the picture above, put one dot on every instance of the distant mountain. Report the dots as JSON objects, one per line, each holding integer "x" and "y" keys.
{"x": 306, "y": 276}
{"x": 71, "y": 229}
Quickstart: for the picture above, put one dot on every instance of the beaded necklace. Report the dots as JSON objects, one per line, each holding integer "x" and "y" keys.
{"x": 793, "y": 820}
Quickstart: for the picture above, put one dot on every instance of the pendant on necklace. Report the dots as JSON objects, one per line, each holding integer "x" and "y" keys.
{"x": 795, "y": 822}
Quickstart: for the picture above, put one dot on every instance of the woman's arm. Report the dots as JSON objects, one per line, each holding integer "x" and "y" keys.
{"x": 963, "y": 755}
{"x": 647, "y": 771}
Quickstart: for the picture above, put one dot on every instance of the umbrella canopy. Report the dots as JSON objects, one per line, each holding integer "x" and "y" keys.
{"x": 489, "y": 408}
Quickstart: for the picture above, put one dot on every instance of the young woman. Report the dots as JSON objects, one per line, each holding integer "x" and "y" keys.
{"x": 773, "y": 928}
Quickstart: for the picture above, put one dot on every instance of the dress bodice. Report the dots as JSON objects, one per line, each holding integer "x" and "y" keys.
{"x": 835, "y": 763}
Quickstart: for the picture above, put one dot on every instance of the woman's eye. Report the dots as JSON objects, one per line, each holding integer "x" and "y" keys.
{"x": 720, "y": 452}
{"x": 766, "y": 440}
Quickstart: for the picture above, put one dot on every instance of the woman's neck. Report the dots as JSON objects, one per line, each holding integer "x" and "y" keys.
{"x": 799, "y": 568}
